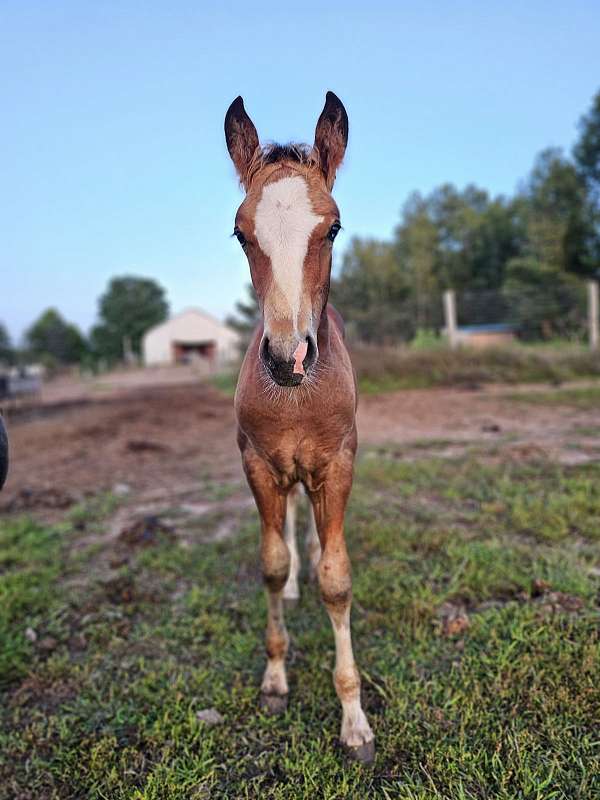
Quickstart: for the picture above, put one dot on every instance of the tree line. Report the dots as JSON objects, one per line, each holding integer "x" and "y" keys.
{"x": 126, "y": 310}
{"x": 523, "y": 256}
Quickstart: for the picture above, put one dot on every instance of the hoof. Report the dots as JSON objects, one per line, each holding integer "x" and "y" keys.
{"x": 364, "y": 753}
{"x": 273, "y": 704}
{"x": 289, "y": 603}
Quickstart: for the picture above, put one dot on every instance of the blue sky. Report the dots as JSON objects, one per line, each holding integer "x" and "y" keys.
{"x": 112, "y": 158}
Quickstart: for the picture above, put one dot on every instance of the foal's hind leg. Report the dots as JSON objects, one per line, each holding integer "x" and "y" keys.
{"x": 291, "y": 592}
{"x": 313, "y": 545}
{"x": 275, "y": 561}
{"x": 335, "y": 582}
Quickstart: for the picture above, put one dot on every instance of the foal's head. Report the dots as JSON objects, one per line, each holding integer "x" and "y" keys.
{"x": 286, "y": 226}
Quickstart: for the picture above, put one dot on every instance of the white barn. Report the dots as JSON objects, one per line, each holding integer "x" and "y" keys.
{"x": 191, "y": 336}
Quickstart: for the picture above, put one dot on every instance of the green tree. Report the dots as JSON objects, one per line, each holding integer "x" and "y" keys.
{"x": 128, "y": 308}
{"x": 497, "y": 237}
{"x": 53, "y": 338}
{"x": 7, "y": 352}
{"x": 459, "y": 239}
{"x": 587, "y": 148}
{"x": 543, "y": 303}
{"x": 559, "y": 216}
{"x": 587, "y": 160}
{"x": 245, "y": 318}
{"x": 371, "y": 292}
{"x": 543, "y": 293}
{"x": 417, "y": 252}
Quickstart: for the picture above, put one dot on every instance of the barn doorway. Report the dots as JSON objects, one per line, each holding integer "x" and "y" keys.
{"x": 190, "y": 352}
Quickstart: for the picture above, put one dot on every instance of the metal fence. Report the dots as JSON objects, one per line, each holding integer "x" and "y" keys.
{"x": 566, "y": 312}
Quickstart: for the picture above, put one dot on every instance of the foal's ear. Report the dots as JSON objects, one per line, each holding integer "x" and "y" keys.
{"x": 331, "y": 136}
{"x": 241, "y": 138}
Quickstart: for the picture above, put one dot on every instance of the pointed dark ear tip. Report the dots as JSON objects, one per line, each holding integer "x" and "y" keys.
{"x": 332, "y": 100}
{"x": 236, "y": 106}
{"x": 333, "y": 105}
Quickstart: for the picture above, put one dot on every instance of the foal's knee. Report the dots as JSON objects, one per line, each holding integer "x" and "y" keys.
{"x": 275, "y": 558}
{"x": 347, "y": 682}
{"x": 335, "y": 580}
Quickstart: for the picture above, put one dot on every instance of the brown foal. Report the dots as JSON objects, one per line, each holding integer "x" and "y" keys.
{"x": 296, "y": 395}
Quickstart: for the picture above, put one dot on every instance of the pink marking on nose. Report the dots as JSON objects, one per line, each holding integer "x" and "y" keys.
{"x": 299, "y": 355}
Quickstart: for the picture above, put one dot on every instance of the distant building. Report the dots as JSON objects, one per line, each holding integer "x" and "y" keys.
{"x": 481, "y": 336}
{"x": 192, "y": 336}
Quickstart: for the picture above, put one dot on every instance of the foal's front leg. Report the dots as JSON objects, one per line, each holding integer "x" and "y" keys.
{"x": 275, "y": 562}
{"x": 335, "y": 582}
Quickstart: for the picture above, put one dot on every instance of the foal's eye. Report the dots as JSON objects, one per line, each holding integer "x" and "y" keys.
{"x": 240, "y": 237}
{"x": 333, "y": 231}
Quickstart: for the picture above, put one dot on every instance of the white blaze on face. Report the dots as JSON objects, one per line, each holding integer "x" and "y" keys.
{"x": 283, "y": 224}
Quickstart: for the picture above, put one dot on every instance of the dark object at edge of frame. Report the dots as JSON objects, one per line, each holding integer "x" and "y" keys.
{"x": 3, "y": 453}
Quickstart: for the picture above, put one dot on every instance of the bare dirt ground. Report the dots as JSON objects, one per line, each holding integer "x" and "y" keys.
{"x": 158, "y": 436}
{"x": 152, "y": 438}
{"x": 448, "y": 419}
{"x": 66, "y": 388}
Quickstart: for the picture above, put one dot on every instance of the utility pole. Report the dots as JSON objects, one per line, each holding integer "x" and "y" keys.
{"x": 593, "y": 308}
{"x": 450, "y": 317}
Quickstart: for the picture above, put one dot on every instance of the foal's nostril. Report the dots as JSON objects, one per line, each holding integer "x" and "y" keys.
{"x": 311, "y": 353}
{"x": 264, "y": 349}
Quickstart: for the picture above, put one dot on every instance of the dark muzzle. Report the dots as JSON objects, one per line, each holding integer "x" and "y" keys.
{"x": 280, "y": 368}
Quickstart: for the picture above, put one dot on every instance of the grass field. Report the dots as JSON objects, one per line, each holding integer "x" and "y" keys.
{"x": 476, "y": 628}
{"x": 584, "y": 398}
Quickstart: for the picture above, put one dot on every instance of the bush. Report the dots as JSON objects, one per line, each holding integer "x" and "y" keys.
{"x": 380, "y": 369}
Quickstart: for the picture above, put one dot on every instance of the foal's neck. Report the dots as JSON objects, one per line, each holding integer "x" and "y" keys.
{"x": 323, "y": 332}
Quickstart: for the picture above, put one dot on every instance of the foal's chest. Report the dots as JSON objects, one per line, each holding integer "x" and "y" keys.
{"x": 302, "y": 448}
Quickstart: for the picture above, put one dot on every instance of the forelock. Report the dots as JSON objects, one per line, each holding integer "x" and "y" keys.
{"x": 302, "y": 155}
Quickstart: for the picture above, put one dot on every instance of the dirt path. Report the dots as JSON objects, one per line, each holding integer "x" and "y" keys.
{"x": 163, "y": 438}
{"x": 149, "y": 439}
{"x": 487, "y": 415}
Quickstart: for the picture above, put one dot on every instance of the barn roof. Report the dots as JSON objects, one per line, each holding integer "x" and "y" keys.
{"x": 204, "y": 316}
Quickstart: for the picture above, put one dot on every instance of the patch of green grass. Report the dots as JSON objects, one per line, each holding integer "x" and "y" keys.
{"x": 433, "y": 444}
{"x": 225, "y": 382}
{"x": 216, "y": 490}
{"x": 29, "y": 570}
{"x": 536, "y": 499}
{"x": 382, "y": 369}
{"x": 584, "y": 398}
{"x": 506, "y": 709}
{"x": 592, "y": 431}
{"x": 93, "y": 509}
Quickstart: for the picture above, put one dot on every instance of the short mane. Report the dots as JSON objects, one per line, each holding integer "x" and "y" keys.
{"x": 273, "y": 153}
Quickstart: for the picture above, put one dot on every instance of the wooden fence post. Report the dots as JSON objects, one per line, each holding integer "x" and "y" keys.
{"x": 450, "y": 317}
{"x": 593, "y": 308}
